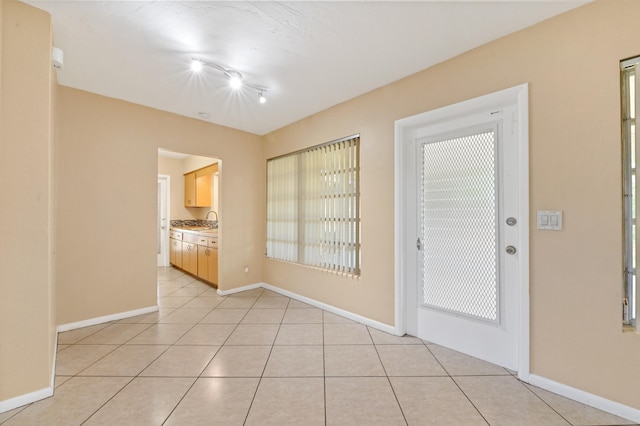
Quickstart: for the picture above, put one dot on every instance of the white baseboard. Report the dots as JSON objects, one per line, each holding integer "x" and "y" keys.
{"x": 239, "y": 289}
{"x": 106, "y": 318}
{"x": 55, "y": 358}
{"x": 586, "y": 398}
{"x": 329, "y": 308}
{"x": 19, "y": 401}
{"x": 349, "y": 315}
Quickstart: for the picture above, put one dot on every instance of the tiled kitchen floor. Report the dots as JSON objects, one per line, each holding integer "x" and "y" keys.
{"x": 259, "y": 358}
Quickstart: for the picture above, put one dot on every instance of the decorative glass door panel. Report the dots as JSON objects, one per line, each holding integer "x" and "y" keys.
{"x": 458, "y": 224}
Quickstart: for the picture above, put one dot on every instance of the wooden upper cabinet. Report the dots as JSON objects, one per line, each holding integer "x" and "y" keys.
{"x": 203, "y": 190}
{"x": 190, "y": 189}
{"x": 197, "y": 187}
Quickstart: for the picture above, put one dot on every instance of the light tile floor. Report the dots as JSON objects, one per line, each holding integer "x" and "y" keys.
{"x": 259, "y": 358}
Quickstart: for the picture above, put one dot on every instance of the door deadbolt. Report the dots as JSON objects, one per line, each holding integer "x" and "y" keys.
{"x": 511, "y": 221}
{"x": 511, "y": 250}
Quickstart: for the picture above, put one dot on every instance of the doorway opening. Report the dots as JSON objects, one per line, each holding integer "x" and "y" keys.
{"x": 179, "y": 207}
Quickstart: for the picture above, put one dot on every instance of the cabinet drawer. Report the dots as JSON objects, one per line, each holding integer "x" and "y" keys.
{"x": 212, "y": 242}
{"x": 176, "y": 235}
{"x": 202, "y": 241}
{"x": 191, "y": 238}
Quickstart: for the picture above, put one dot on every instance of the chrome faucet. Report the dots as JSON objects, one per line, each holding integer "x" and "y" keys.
{"x": 215, "y": 221}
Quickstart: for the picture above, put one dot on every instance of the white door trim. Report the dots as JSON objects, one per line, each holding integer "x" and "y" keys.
{"x": 404, "y": 192}
{"x": 164, "y": 241}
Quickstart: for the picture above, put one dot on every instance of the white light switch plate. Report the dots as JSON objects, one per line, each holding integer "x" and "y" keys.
{"x": 550, "y": 220}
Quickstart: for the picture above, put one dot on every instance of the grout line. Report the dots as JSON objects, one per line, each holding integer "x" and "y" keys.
{"x": 469, "y": 399}
{"x": 455, "y": 382}
{"x": 132, "y": 377}
{"x": 386, "y": 374}
{"x": 107, "y": 401}
{"x": 255, "y": 394}
{"x": 324, "y": 371}
{"x": 79, "y": 343}
{"x": 18, "y": 411}
{"x": 195, "y": 380}
{"x": 543, "y": 401}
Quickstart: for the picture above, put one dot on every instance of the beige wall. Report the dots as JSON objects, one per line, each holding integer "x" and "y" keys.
{"x": 195, "y": 162}
{"x": 572, "y": 65}
{"x": 27, "y": 314}
{"x": 107, "y": 201}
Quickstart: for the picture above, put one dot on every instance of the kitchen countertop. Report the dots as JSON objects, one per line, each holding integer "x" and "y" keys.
{"x": 196, "y": 230}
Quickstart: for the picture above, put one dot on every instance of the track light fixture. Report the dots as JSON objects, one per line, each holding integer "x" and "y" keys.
{"x": 236, "y": 79}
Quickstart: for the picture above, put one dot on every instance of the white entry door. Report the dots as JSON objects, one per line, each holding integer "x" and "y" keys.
{"x": 163, "y": 221}
{"x": 469, "y": 216}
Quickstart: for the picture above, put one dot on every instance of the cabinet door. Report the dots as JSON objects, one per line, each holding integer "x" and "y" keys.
{"x": 213, "y": 266}
{"x": 190, "y": 258}
{"x": 175, "y": 253}
{"x": 190, "y": 190}
{"x": 203, "y": 263}
{"x": 203, "y": 190}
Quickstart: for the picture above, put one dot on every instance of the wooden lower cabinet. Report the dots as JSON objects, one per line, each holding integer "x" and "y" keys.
{"x": 212, "y": 260}
{"x": 175, "y": 252}
{"x": 212, "y": 243}
{"x": 203, "y": 266}
{"x": 190, "y": 257}
{"x": 208, "y": 264}
{"x": 195, "y": 254}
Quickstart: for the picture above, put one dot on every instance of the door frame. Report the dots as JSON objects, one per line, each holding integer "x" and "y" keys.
{"x": 404, "y": 195}
{"x": 164, "y": 241}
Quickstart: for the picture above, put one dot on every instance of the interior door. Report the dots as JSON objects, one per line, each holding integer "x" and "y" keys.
{"x": 163, "y": 221}
{"x": 467, "y": 244}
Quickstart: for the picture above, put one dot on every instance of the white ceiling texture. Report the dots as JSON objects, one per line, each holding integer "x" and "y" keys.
{"x": 309, "y": 55}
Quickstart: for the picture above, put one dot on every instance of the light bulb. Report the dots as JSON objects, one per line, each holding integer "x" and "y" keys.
{"x": 235, "y": 78}
{"x": 235, "y": 82}
{"x": 261, "y": 97}
{"x": 196, "y": 65}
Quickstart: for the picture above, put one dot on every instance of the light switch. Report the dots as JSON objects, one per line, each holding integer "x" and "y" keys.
{"x": 550, "y": 220}
{"x": 544, "y": 220}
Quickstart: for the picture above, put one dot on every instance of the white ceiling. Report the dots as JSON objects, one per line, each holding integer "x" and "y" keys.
{"x": 310, "y": 55}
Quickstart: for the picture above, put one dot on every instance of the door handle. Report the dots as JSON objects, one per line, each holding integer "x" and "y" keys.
{"x": 511, "y": 250}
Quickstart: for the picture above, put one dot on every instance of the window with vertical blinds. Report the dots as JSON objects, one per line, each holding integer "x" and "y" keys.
{"x": 313, "y": 209}
{"x": 630, "y": 74}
